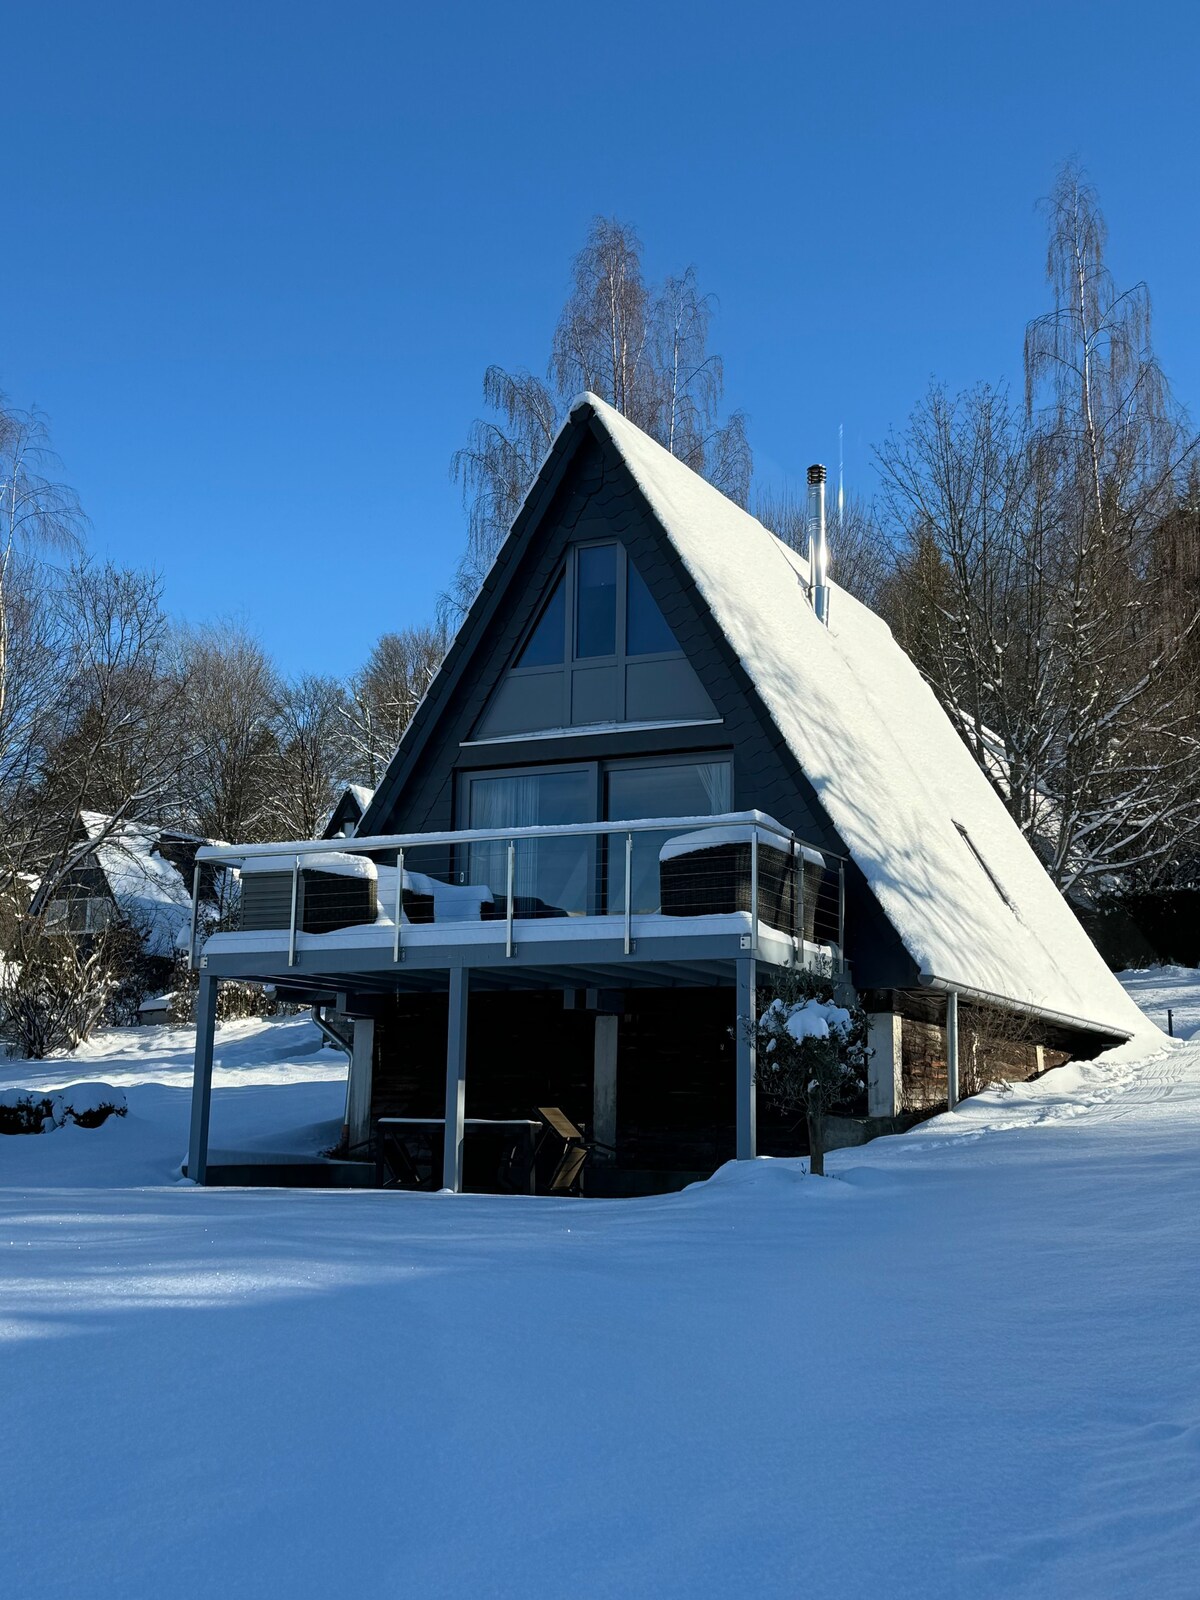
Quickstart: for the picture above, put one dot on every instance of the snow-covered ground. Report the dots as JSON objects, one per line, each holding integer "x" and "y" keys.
{"x": 967, "y": 1365}
{"x": 1159, "y": 989}
{"x": 275, "y": 1087}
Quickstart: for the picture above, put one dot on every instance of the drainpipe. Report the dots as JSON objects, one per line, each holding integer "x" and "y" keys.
{"x": 339, "y": 1042}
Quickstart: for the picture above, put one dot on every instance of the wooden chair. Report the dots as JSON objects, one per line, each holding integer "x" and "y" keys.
{"x": 395, "y": 1168}
{"x": 567, "y": 1176}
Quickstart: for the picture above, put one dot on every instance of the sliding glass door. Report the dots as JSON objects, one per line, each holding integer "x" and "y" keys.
{"x": 551, "y": 876}
{"x": 672, "y": 789}
{"x": 585, "y": 874}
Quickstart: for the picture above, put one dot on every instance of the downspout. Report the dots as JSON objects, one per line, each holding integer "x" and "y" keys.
{"x": 339, "y": 1042}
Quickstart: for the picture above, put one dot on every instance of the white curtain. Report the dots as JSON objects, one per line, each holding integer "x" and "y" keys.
{"x": 716, "y": 779}
{"x": 511, "y": 802}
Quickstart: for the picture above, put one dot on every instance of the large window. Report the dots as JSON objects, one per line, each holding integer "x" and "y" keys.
{"x": 550, "y": 875}
{"x": 585, "y": 874}
{"x": 612, "y": 613}
{"x": 599, "y": 650}
{"x": 676, "y": 789}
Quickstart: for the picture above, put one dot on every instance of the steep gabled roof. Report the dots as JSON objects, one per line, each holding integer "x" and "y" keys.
{"x": 351, "y": 806}
{"x": 951, "y": 869}
{"x": 147, "y": 887}
{"x": 947, "y": 864}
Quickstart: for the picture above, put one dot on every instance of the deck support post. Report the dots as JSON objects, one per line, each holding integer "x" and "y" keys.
{"x": 951, "y": 1050}
{"x": 206, "y": 1027}
{"x": 604, "y": 1085}
{"x": 885, "y": 1069}
{"x": 456, "y": 1078}
{"x": 358, "y": 1096}
{"x": 747, "y": 1060}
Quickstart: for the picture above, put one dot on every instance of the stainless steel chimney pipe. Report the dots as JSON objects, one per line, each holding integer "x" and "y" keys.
{"x": 818, "y": 543}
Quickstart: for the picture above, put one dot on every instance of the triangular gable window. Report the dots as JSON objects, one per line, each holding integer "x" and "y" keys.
{"x": 646, "y": 629}
{"x": 600, "y": 652}
{"x": 545, "y": 645}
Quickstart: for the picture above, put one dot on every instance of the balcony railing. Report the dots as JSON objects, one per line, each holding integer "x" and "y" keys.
{"x": 670, "y": 866}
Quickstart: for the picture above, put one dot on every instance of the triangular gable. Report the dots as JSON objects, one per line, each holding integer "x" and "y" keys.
{"x": 598, "y": 652}
{"x": 506, "y": 593}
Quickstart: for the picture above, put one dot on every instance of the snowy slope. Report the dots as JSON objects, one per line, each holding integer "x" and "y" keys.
{"x": 966, "y": 1366}
{"x": 892, "y": 773}
{"x": 1158, "y": 988}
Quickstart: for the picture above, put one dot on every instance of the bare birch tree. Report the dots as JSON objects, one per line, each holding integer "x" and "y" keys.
{"x": 229, "y": 731}
{"x": 641, "y": 348}
{"x": 37, "y": 513}
{"x": 383, "y": 696}
{"x": 1031, "y": 586}
{"x": 314, "y": 754}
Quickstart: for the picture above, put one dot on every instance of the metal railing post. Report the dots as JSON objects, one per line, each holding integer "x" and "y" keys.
{"x": 292, "y": 919}
{"x": 798, "y": 896}
{"x": 397, "y": 952}
{"x": 195, "y": 914}
{"x": 754, "y": 887}
{"x": 508, "y": 897}
{"x": 951, "y": 1050}
{"x": 629, "y": 893}
{"x": 842, "y": 915}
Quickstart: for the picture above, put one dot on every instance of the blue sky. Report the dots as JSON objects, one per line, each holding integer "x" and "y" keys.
{"x": 256, "y": 257}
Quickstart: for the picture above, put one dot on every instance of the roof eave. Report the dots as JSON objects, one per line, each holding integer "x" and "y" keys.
{"x": 1001, "y": 1002}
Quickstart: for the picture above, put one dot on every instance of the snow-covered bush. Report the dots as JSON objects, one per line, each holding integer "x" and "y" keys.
{"x": 812, "y": 1051}
{"x": 85, "y": 1105}
{"x": 54, "y": 991}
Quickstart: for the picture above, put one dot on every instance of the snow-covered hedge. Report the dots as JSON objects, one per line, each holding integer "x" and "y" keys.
{"x": 86, "y": 1105}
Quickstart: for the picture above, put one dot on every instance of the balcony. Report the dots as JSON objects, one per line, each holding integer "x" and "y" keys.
{"x": 656, "y": 901}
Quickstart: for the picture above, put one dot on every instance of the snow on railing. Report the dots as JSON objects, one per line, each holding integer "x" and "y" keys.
{"x": 680, "y": 866}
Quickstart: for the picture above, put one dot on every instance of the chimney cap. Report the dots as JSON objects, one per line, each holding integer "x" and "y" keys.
{"x": 816, "y": 473}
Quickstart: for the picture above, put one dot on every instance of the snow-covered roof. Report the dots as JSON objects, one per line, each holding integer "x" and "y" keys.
{"x": 952, "y": 871}
{"x": 147, "y": 888}
{"x": 361, "y": 796}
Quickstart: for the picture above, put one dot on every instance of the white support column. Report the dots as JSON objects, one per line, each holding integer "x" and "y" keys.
{"x": 604, "y": 1085}
{"x": 456, "y": 1078}
{"x": 747, "y": 1061}
{"x": 358, "y": 1097}
{"x": 206, "y": 1026}
{"x": 885, "y": 1069}
{"x": 951, "y": 1050}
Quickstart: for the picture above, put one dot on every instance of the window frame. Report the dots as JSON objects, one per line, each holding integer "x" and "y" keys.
{"x": 598, "y": 769}
{"x": 568, "y": 572}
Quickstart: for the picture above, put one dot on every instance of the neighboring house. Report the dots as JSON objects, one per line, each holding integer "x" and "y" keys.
{"x": 647, "y": 775}
{"x": 348, "y": 813}
{"x": 133, "y": 873}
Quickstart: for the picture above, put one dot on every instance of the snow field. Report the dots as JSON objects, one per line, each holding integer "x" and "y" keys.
{"x": 966, "y": 1365}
